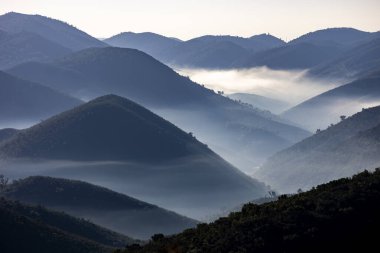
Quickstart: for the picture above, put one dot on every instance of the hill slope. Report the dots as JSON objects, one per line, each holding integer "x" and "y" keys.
{"x": 22, "y": 101}
{"x": 326, "y": 108}
{"x": 17, "y": 48}
{"x": 42, "y": 230}
{"x": 51, "y": 29}
{"x": 341, "y": 150}
{"x": 341, "y": 216}
{"x": 354, "y": 63}
{"x": 109, "y": 209}
{"x": 116, "y": 143}
{"x": 226, "y": 126}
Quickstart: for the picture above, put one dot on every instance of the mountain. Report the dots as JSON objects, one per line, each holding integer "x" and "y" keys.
{"x": 265, "y": 103}
{"x": 42, "y": 230}
{"x": 109, "y": 209}
{"x": 341, "y": 216}
{"x": 343, "y": 36}
{"x": 53, "y": 30}
{"x": 216, "y": 51}
{"x": 291, "y": 56}
{"x": 150, "y": 43}
{"x": 227, "y": 126}
{"x": 115, "y": 143}
{"x": 25, "y": 101}
{"x": 17, "y": 48}
{"x": 203, "y": 52}
{"x": 326, "y": 108}
{"x": 339, "y": 151}
{"x": 353, "y": 64}
{"x": 311, "y": 50}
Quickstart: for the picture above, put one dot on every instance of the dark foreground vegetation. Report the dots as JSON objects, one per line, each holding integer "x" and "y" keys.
{"x": 25, "y": 228}
{"x": 341, "y": 216}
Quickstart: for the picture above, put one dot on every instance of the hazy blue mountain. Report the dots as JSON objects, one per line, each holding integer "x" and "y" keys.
{"x": 23, "y": 101}
{"x": 255, "y": 43}
{"x": 43, "y": 230}
{"x": 7, "y": 133}
{"x": 265, "y": 103}
{"x": 227, "y": 126}
{"x": 354, "y": 63}
{"x": 150, "y": 43}
{"x": 338, "y": 36}
{"x": 16, "y": 48}
{"x": 116, "y": 143}
{"x": 326, "y": 108}
{"x": 216, "y": 51}
{"x": 341, "y": 216}
{"x": 203, "y": 52}
{"x": 310, "y": 50}
{"x": 339, "y": 151}
{"x": 104, "y": 207}
{"x": 292, "y": 56}
{"x": 50, "y": 29}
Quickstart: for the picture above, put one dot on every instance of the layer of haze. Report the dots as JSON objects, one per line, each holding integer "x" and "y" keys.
{"x": 292, "y": 87}
{"x": 188, "y": 19}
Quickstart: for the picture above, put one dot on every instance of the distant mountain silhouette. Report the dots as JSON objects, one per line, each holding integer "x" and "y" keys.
{"x": 143, "y": 79}
{"x": 22, "y": 100}
{"x": 354, "y": 63}
{"x": 265, "y": 103}
{"x": 335, "y": 36}
{"x": 131, "y": 150}
{"x": 292, "y": 56}
{"x": 50, "y": 29}
{"x": 42, "y": 230}
{"x": 339, "y": 151}
{"x": 109, "y": 209}
{"x": 150, "y": 43}
{"x": 309, "y": 50}
{"x": 203, "y": 52}
{"x": 17, "y": 48}
{"x": 326, "y": 108}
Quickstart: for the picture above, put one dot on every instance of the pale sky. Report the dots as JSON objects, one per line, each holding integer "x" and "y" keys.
{"x": 286, "y": 19}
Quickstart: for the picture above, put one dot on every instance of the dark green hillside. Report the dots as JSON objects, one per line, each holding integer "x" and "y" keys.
{"x": 107, "y": 128}
{"x": 42, "y": 230}
{"x": 341, "y": 216}
{"x": 107, "y": 208}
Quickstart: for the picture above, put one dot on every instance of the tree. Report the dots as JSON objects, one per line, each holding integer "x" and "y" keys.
{"x": 343, "y": 117}
{"x": 318, "y": 131}
{"x": 3, "y": 182}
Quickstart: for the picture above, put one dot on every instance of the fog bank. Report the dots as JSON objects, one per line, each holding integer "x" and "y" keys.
{"x": 292, "y": 86}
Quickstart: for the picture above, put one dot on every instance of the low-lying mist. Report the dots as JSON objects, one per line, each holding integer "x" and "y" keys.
{"x": 292, "y": 86}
